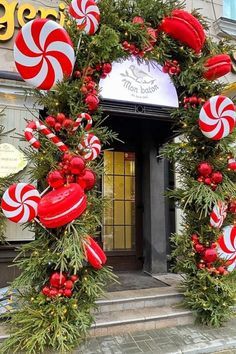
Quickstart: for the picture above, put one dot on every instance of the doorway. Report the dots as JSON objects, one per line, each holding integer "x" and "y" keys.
{"x": 121, "y": 239}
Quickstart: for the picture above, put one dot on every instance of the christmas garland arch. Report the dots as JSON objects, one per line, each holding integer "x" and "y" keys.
{"x": 63, "y": 270}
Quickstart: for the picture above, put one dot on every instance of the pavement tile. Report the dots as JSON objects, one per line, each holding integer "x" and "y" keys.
{"x": 143, "y": 346}
{"x": 140, "y": 337}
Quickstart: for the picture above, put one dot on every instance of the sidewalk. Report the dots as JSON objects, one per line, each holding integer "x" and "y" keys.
{"x": 186, "y": 339}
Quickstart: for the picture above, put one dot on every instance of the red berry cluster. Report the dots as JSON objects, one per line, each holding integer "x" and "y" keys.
{"x": 132, "y": 48}
{"x": 60, "y": 122}
{"x": 103, "y": 69}
{"x": 171, "y": 67}
{"x": 208, "y": 256}
{"x": 72, "y": 170}
{"x": 60, "y": 284}
{"x": 209, "y": 177}
{"x": 192, "y": 101}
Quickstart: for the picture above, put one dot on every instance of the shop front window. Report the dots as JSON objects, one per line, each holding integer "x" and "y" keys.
{"x": 119, "y": 190}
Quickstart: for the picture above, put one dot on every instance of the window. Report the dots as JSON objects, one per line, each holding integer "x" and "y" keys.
{"x": 229, "y": 9}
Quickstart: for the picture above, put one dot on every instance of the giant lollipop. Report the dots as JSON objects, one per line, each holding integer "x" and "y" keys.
{"x": 20, "y": 203}
{"x": 43, "y": 53}
{"x": 87, "y": 15}
{"x": 217, "y": 117}
{"x": 227, "y": 246}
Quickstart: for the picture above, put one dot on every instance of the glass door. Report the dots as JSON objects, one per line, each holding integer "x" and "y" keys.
{"x": 119, "y": 190}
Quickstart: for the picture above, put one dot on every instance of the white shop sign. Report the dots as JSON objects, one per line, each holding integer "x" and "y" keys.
{"x": 139, "y": 82}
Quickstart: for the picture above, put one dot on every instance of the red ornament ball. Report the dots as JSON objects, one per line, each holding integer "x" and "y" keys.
{"x": 210, "y": 255}
{"x": 69, "y": 284}
{"x": 46, "y": 291}
{"x": 138, "y": 19}
{"x": 208, "y": 181}
{"x": 57, "y": 280}
{"x": 195, "y": 238}
{"x": 68, "y": 124}
{"x": 77, "y": 165}
{"x": 61, "y": 117}
{"x": 232, "y": 206}
{"x": 204, "y": 169}
{"x": 55, "y": 179}
{"x": 67, "y": 292}
{"x": 58, "y": 127}
{"x": 107, "y": 68}
{"x": 74, "y": 278}
{"x": 92, "y": 102}
{"x": 217, "y": 177}
{"x": 50, "y": 121}
{"x": 87, "y": 180}
{"x": 53, "y": 293}
{"x": 199, "y": 248}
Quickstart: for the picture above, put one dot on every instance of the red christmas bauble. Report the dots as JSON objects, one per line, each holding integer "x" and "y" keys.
{"x": 77, "y": 165}
{"x": 87, "y": 180}
{"x": 107, "y": 68}
{"x": 221, "y": 270}
{"x": 53, "y": 292}
{"x": 70, "y": 179}
{"x": 77, "y": 74}
{"x": 55, "y": 179}
{"x": 204, "y": 169}
{"x": 67, "y": 157}
{"x": 69, "y": 284}
{"x": 61, "y": 206}
{"x": 138, "y": 19}
{"x": 199, "y": 248}
{"x": 51, "y": 121}
{"x": 195, "y": 238}
{"x": 57, "y": 280}
{"x": 46, "y": 291}
{"x": 67, "y": 292}
{"x": 61, "y": 117}
{"x": 210, "y": 255}
{"x": 58, "y": 127}
{"x": 232, "y": 206}
{"x": 217, "y": 177}
{"x": 92, "y": 102}
{"x": 208, "y": 181}
{"x": 68, "y": 124}
{"x": 74, "y": 278}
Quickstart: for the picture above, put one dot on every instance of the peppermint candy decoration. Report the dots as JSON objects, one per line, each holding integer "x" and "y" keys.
{"x": 226, "y": 248}
{"x": 90, "y": 147}
{"x": 20, "y": 203}
{"x": 40, "y": 127}
{"x": 218, "y": 214}
{"x": 87, "y": 15}
{"x": 79, "y": 120}
{"x": 43, "y": 53}
{"x": 217, "y": 117}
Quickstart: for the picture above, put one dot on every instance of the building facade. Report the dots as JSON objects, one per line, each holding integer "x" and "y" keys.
{"x": 139, "y": 220}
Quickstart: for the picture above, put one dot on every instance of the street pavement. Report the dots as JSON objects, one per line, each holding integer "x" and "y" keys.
{"x": 190, "y": 339}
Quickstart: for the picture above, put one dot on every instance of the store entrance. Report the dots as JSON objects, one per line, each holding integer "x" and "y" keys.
{"x": 121, "y": 232}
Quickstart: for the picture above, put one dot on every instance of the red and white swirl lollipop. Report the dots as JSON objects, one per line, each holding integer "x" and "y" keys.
{"x": 43, "y": 53}
{"x": 87, "y": 15}
{"x": 20, "y": 203}
{"x": 217, "y": 117}
{"x": 226, "y": 248}
{"x": 90, "y": 147}
{"x": 79, "y": 120}
{"x": 218, "y": 214}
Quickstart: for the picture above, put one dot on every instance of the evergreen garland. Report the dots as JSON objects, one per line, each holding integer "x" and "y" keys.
{"x": 61, "y": 323}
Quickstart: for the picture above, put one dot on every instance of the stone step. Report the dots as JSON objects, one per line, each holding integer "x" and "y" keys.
{"x": 136, "y": 299}
{"x": 118, "y": 322}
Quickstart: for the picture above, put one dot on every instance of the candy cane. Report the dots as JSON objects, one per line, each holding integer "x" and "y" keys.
{"x": 40, "y": 127}
{"x": 79, "y": 120}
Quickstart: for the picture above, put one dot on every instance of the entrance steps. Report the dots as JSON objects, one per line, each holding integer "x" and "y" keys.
{"x": 137, "y": 310}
